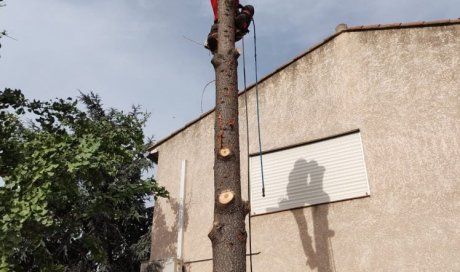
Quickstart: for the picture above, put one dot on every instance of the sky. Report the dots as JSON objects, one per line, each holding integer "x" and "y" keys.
{"x": 138, "y": 52}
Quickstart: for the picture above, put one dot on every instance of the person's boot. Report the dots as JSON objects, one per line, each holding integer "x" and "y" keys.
{"x": 243, "y": 20}
{"x": 211, "y": 41}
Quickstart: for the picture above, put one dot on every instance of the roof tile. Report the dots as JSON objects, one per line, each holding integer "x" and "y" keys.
{"x": 418, "y": 23}
{"x": 438, "y": 22}
{"x": 355, "y": 27}
{"x": 372, "y": 26}
{"x": 395, "y": 25}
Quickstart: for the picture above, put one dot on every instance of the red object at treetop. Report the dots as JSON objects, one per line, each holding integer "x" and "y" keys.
{"x": 216, "y": 11}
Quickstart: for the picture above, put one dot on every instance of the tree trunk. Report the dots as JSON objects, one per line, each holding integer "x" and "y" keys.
{"x": 228, "y": 234}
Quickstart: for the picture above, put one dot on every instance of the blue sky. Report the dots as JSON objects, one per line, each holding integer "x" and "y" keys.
{"x": 134, "y": 51}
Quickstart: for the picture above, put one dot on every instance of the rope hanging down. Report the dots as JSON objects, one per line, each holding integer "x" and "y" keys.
{"x": 247, "y": 133}
{"x": 258, "y": 111}
{"x": 247, "y": 151}
{"x": 202, "y": 93}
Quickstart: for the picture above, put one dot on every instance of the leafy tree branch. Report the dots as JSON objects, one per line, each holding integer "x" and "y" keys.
{"x": 74, "y": 189}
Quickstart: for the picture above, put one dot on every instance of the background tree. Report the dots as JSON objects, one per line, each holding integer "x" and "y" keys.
{"x": 74, "y": 194}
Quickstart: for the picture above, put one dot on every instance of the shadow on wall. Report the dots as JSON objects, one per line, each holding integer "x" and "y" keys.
{"x": 164, "y": 235}
{"x": 308, "y": 177}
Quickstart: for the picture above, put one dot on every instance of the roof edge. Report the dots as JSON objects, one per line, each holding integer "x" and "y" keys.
{"x": 417, "y": 24}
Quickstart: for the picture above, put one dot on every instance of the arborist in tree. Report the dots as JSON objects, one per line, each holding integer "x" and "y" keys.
{"x": 243, "y": 19}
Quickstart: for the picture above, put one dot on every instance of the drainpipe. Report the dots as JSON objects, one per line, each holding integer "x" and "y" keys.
{"x": 180, "y": 229}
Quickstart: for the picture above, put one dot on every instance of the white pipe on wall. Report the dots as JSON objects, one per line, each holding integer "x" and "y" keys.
{"x": 180, "y": 229}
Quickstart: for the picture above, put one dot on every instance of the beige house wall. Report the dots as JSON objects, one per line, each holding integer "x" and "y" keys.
{"x": 400, "y": 88}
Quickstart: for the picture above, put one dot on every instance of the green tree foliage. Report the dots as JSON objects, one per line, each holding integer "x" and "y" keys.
{"x": 74, "y": 192}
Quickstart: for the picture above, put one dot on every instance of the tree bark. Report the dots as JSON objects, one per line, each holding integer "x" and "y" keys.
{"x": 228, "y": 234}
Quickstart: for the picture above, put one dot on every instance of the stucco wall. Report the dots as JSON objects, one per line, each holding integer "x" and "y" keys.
{"x": 401, "y": 88}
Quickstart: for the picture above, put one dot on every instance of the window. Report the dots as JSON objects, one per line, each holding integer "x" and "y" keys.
{"x": 320, "y": 172}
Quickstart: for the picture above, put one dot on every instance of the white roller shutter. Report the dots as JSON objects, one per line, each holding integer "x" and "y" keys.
{"x": 320, "y": 172}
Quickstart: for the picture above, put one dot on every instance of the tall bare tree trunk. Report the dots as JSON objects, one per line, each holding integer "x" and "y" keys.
{"x": 228, "y": 234}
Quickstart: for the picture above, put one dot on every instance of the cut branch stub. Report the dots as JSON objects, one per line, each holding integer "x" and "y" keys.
{"x": 225, "y": 152}
{"x": 236, "y": 53}
{"x": 226, "y": 197}
{"x": 216, "y": 227}
{"x": 216, "y": 60}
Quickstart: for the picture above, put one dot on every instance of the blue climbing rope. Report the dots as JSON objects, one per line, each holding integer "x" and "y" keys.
{"x": 258, "y": 110}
